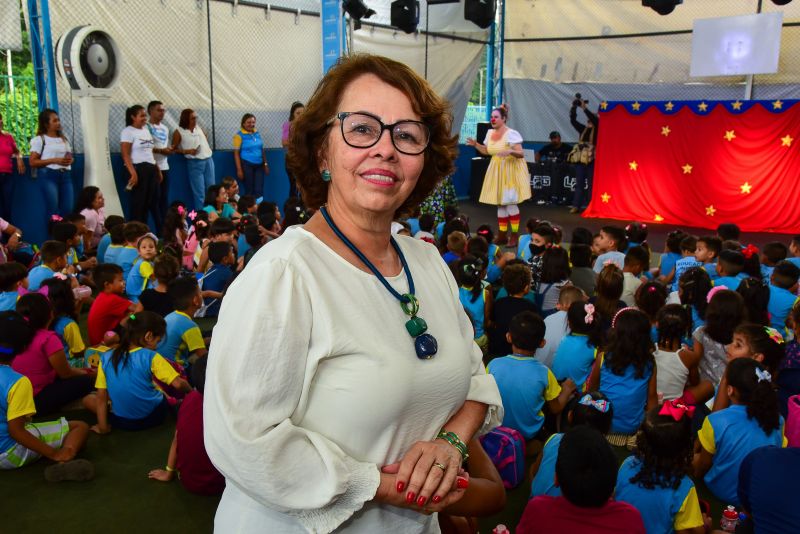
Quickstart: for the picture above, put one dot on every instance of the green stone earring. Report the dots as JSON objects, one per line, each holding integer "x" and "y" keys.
{"x": 326, "y": 175}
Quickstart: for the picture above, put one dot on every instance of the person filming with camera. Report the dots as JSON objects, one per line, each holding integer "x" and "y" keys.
{"x": 582, "y": 154}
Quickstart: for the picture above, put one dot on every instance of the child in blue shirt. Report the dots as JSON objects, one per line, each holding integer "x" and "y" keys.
{"x": 727, "y": 436}
{"x": 132, "y": 231}
{"x": 626, "y": 372}
{"x": 577, "y": 351}
{"x": 125, "y": 376}
{"x": 612, "y": 242}
{"x": 688, "y": 248}
{"x": 655, "y": 480}
{"x": 141, "y": 276}
{"x": 65, "y": 317}
{"x": 116, "y": 242}
{"x": 672, "y": 253}
{"x": 54, "y": 260}
{"x": 105, "y": 241}
{"x": 782, "y": 294}
{"x": 592, "y": 409}
{"x": 693, "y": 289}
{"x": 706, "y": 252}
{"x": 525, "y": 384}
{"x": 729, "y": 269}
{"x": 13, "y": 275}
{"x": 475, "y": 299}
{"x": 216, "y": 280}
{"x": 772, "y": 254}
{"x": 794, "y": 250}
{"x": 183, "y": 342}
{"x": 23, "y": 442}
{"x": 69, "y": 234}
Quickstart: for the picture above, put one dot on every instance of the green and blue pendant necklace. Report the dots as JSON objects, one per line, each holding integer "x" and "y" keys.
{"x": 424, "y": 344}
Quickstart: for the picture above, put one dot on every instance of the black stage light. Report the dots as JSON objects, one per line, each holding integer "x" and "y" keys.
{"x": 662, "y": 7}
{"x": 480, "y": 12}
{"x": 357, "y": 11}
{"x": 781, "y": 2}
{"x": 405, "y": 15}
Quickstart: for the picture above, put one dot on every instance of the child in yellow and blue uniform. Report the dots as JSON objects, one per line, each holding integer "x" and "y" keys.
{"x": 578, "y": 349}
{"x": 525, "y": 384}
{"x": 13, "y": 275}
{"x": 727, "y": 436}
{"x": 626, "y": 372}
{"x": 141, "y": 276}
{"x": 476, "y": 299}
{"x": 183, "y": 341}
{"x": 64, "y": 322}
{"x": 655, "y": 479}
{"x": 126, "y": 377}
{"x": 782, "y": 294}
{"x": 592, "y": 409}
{"x": 23, "y": 442}
{"x": 125, "y": 257}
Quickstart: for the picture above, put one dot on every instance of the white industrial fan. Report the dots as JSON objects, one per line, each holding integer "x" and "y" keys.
{"x": 89, "y": 60}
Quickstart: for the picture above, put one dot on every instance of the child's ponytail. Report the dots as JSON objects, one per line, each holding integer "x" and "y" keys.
{"x": 753, "y": 383}
{"x": 673, "y": 324}
{"x": 693, "y": 287}
{"x": 583, "y": 319}
{"x": 468, "y": 271}
{"x": 139, "y": 324}
{"x": 664, "y": 446}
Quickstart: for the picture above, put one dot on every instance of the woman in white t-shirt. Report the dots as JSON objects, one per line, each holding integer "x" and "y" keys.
{"x": 144, "y": 176}
{"x": 190, "y": 140}
{"x": 51, "y": 156}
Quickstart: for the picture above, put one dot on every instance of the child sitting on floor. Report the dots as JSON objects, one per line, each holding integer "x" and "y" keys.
{"x": 65, "y": 320}
{"x": 216, "y": 280}
{"x": 675, "y": 366}
{"x": 517, "y": 282}
{"x": 133, "y": 232}
{"x": 165, "y": 269}
{"x": 593, "y": 409}
{"x": 13, "y": 275}
{"x": 727, "y": 436}
{"x": 637, "y": 262}
{"x": 782, "y": 293}
{"x": 23, "y": 442}
{"x": 557, "y": 324}
{"x": 110, "y": 309}
{"x": 688, "y": 261}
{"x": 706, "y": 252}
{"x": 577, "y": 351}
{"x": 655, "y": 480}
{"x": 612, "y": 242}
{"x": 125, "y": 376}
{"x": 187, "y": 454}
{"x": 525, "y": 384}
{"x": 586, "y": 472}
{"x": 729, "y": 269}
{"x": 141, "y": 276}
{"x": 475, "y": 299}
{"x": 54, "y": 260}
{"x": 183, "y": 342}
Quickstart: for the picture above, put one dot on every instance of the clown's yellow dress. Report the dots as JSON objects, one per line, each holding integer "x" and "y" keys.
{"x": 507, "y": 180}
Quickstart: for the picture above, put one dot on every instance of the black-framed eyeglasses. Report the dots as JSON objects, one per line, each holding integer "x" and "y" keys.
{"x": 363, "y": 130}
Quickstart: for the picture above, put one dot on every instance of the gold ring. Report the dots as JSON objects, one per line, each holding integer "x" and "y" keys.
{"x": 440, "y": 466}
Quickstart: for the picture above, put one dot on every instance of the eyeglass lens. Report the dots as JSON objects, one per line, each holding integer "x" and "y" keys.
{"x": 363, "y": 131}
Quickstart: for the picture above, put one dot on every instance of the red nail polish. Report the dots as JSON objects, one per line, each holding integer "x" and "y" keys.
{"x": 421, "y": 501}
{"x": 410, "y": 497}
{"x": 436, "y": 499}
{"x": 400, "y": 486}
{"x": 462, "y": 483}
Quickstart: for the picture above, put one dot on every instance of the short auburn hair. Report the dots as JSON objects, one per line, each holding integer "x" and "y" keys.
{"x": 310, "y": 131}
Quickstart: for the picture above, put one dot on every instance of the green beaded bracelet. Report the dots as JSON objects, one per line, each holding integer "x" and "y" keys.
{"x": 453, "y": 439}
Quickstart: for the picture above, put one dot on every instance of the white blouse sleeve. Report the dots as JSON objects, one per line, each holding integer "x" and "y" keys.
{"x": 513, "y": 137}
{"x": 257, "y": 384}
{"x": 36, "y": 144}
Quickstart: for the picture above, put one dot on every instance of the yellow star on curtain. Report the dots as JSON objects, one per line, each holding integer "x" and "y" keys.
{"x": 633, "y": 165}
{"x": 658, "y": 218}
{"x": 777, "y": 104}
{"x": 711, "y": 210}
{"x": 665, "y": 131}
{"x": 702, "y": 107}
{"x": 746, "y": 187}
{"x": 605, "y": 197}
{"x": 603, "y": 105}
{"x": 687, "y": 169}
{"x": 786, "y": 141}
{"x": 737, "y": 105}
{"x": 730, "y": 135}
{"x": 669, "y": 106}
{"x": 636, "y": 106}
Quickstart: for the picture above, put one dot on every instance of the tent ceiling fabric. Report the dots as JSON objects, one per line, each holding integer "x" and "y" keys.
{"x": 647, "y": 59}
{"x": 10, "y": 27}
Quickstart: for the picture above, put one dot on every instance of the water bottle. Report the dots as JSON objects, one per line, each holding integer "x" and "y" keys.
{"x": 730, "y": 518}
{"x": 82, "y": 292}
{"x": 501, "y": 529}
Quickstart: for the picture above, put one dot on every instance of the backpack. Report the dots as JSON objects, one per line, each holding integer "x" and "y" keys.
{"x": 792, "y": 425}
{"x": 506, "y": 448}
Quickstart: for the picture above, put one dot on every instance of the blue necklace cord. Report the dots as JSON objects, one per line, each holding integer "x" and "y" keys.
{"x": 425, "y": 344}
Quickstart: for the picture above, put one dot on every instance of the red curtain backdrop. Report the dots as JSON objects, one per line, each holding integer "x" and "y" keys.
{"x": 699, "y": 164}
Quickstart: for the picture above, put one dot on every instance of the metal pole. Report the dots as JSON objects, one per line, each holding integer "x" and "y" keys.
{"x": 501, "y": 52}
{"x": 489, "y": 102}
{"x": 427, "y": 29}
{"x": 748, "y": 86}
{"x": 211, "y": 77}
{"x": 50, "y": 75}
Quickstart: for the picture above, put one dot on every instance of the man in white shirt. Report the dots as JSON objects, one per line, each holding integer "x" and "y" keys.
{"x": 161, "y": 148}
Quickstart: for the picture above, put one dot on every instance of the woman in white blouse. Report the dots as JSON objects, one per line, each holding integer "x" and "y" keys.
{"x": 51, "y": 156}
{"x": 329, "y": 404}
{"x": 144, "y": 176}
{"x": 191, "y": 141}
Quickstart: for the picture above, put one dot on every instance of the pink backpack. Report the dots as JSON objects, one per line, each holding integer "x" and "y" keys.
{"x": 792, "y": 427}
{"x": 506, "y": 448}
